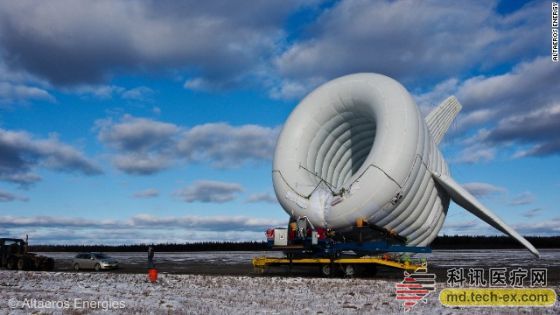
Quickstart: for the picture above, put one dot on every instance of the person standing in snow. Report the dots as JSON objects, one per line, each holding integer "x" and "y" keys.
{"x": 151, "y": 257}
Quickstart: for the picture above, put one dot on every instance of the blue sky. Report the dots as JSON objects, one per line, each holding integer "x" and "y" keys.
{"x": 128, "y": 122}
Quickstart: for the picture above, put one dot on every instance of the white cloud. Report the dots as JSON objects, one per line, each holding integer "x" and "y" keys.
{"x": 145, "y": 146}
{"x": 475, "y": 154}
{"x": 528, "y": 86}
{"x": 141, "y": 228}
{"x": 146, "y": 193}
{"x": 462, "y": 227}
{"x": 219, "y": 223}
{"x": 135, "y": 134}
{"x": 209, "y": 191}
{"x": 18, "y": 87}
{"x": 521, "y": 88}
{"x": 99, "y": 91}
{"x": 141, "y": 163}
{"x": 539, "y": 127}
{"x": 475, "y": 118}
{"x": 293, "y": 89}
{"x": 8, "y": 197}
{"x": 13, "y": 93}
{"x": 532, "y": 213}
{"x": 366, "y": 36}
{"x": 479, "y": 189}
{"x": 262, "y": 197}
{"x": 21, "y": 154}
{"x": 140, "y": 93}
{"x": 85, "y": 42}
{"x": 223, "y": 145}
{"x": 524, "y": 198}
{"x": 519, "y": 107}
{"x": 546, "y": 227}
{"x": 203, "y": 84}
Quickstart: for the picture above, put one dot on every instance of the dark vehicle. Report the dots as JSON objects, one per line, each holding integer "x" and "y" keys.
{"x": 14, "y": 255}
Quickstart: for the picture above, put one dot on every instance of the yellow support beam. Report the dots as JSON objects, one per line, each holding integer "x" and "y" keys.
{"x": 262, "y": 262}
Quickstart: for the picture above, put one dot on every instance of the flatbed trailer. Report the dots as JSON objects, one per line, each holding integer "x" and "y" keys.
{"x": 365, "y": 248}
{"x": 349, "y": 266}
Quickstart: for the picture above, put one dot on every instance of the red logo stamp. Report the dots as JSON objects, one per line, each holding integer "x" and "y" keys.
{"x": 415, "y": 287}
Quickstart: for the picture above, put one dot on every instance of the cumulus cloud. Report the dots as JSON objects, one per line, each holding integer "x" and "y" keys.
{"x": 140, "y": 93}
{"x": 7, "y": 197}
{"x": 9, "y": 221}
{"x": 518, "y": 108}
{"x": 209, "y": 191}
{"x": 21, "y": 154}
{"x": 13, "y": 93}
{"x": 99, "y": 91}
{"x": 262, "y": 197}
{"x": 461, "y": 227}
{"x": 224, "y": 145}
{"x": 538, "y": 128}
{"x": 141, "y": 163}
{"x": 520, "y": 105}
{"x": 144, "y": 146}
{"x": 366, "y": 36}
{"x": 526, "y": 101}
{"x": 546, "y": 227}
{"x": 18, "y": 87}
{"x": 483, "y": 189}
{"x": 524, "y": 198}
{"x": 83, "y": 42}
{"x": 135, "y": 134}
{"x": 475, "y": 154}
{"x": 110, "y": 91}
{"x": 146, "y": 193}
{"x": 532, "y": 213}
{"x": 528, "y": 84}
{"x": 207, "y": 85}
{"x": 141, "y": 228}
{"x": 223, "y": 223}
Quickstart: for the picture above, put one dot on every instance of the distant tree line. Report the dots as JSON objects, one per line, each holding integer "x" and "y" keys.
{"x": 441, "y": 242}
{"x": 492, "y": 242}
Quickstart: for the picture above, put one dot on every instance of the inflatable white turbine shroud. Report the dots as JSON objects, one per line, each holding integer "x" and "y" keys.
{"x": 357, "y": 147}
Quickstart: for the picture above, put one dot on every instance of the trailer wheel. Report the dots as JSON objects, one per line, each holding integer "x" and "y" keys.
{"x": 50, "y": 264}
{"x": 327, "y": 270}
{"x": 11, "y": 264}
{"x": 349, "y": 270}
{"x": 371, "y": 271}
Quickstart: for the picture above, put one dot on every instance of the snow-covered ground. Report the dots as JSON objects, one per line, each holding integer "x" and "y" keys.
{"x": 221, "y": 257}
{"x": 443, "y": 258}
{"x": 55, "y": 292}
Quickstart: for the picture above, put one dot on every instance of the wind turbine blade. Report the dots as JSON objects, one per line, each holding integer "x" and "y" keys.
{"x": 466, "y": 200}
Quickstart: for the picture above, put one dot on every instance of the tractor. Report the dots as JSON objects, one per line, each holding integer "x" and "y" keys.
{"x": 14, "y": 255}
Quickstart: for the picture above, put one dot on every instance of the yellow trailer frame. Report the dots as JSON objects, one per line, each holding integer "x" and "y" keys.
{"x": 263, "y": 262}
